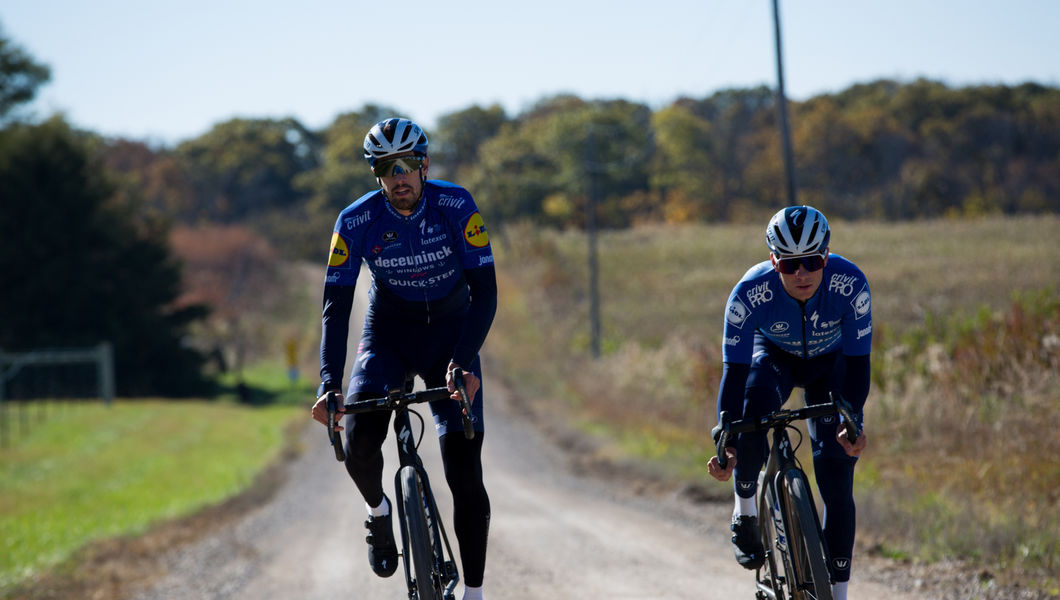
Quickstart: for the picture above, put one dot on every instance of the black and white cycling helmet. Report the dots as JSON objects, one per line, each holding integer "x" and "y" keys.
{"x": 394, "y": 136}
{"x": 797, "y": 231}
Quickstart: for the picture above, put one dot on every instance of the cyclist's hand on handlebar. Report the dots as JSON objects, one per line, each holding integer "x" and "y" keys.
{"x": 471, "y": 383}
{"x": 854, "y": 449}
{"x": 320, "y": 409}
{"x": 715, "y": 470}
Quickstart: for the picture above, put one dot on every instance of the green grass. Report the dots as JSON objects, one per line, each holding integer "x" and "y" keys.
{"x": 268, "y": 383}
{"x": 94, "y": 471}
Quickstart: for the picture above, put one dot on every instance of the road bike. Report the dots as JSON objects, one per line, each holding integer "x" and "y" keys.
{"x": 430, "y": 567}
{"x": 796, "y": 561}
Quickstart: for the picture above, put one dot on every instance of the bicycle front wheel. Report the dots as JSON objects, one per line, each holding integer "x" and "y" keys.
{"x": 805, "y": 545}
{"x": 769, "y": 575}
{"x": 419, "y": 537}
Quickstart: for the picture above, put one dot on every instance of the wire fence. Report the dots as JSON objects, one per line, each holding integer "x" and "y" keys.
{"x": 32, "y": 381}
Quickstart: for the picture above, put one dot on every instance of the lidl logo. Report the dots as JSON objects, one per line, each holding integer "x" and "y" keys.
{"x": 339, "y": 252}
{"x": 475, "y": 232}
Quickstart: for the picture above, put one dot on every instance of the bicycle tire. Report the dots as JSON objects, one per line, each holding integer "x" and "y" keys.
{"x": 805, "y": 545}
{"x": 767, "y": 530}
{"x": 419, "y": 536}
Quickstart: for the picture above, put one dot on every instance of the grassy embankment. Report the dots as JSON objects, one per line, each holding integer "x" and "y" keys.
{"x": 963, "y": 417}
{"x": 89, "y": 472}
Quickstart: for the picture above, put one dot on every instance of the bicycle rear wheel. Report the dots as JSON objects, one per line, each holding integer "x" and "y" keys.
{"x": 419, "y": 537}
{"x": 805, "y": 546}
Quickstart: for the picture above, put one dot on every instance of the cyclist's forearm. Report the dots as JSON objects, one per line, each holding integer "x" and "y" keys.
{"x": 856, "y": 382}
{"x": 335, "y": 329}
{"x": 731, "y": 390}
{"x": 482, "y": 283}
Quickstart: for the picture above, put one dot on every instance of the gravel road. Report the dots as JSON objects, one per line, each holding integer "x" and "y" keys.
{"x": 554, "y": 534}
{"x": 557, "y": 532}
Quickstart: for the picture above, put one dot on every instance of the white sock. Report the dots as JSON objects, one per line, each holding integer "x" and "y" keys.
{"x": 745, "y": 506}
{"x": 473, "y": 593}
{"x": 379, "y": 511}
{"x": 839, "y": 590}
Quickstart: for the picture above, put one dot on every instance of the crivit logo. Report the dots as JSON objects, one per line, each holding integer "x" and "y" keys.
{"x": 779, "y": 327}
{"x": 841, "y": 563}
{"x": 746, "y": 486}
{"x": 450, "y": 201}
{"x": 842, "y": 284}
{"x": 360, "y": 219}
{"x": 759, "y": 294}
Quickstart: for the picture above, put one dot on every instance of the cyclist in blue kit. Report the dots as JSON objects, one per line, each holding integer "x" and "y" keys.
{"x": 802, "y": 318}
{"x": 432, "y": 301}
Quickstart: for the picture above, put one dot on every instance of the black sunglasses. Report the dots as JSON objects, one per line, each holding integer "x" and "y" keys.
{"x": 398, "y": 166}
{"x": 812, "y": 262}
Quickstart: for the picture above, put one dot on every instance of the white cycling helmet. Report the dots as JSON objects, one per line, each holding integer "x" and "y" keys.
{"x": 394, "y": 136}
{"x": 797, "y": 231}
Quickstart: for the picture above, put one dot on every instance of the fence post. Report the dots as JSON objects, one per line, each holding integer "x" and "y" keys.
{"x": 105, "y": 367}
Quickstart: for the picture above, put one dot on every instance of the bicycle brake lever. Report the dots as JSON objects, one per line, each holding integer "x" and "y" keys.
{"x": 332, "y": 403}
{"x": 720, "y": 433}
{"x": 847, "y": 412}
{"x": 465, "y": 403}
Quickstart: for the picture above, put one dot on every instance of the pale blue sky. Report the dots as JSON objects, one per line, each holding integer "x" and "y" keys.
{"x": 167, "y": 71}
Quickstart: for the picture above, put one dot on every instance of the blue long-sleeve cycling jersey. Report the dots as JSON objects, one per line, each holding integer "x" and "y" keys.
{"x": 837, "y": 318}
{"x": 430, "y": 264}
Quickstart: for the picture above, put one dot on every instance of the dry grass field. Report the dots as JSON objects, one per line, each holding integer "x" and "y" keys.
{"x": 965, "y": 407}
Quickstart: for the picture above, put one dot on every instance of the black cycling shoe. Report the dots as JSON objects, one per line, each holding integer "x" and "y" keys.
{"x": 382, "y": 551}
{"x": 747, "y": 542}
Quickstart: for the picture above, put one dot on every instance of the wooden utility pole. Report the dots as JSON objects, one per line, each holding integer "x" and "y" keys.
{"x": 782, "y": 112}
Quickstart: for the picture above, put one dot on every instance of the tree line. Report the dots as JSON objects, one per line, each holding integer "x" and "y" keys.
{"x": 880, "y": 150}
{"x": 84, "y": 234}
